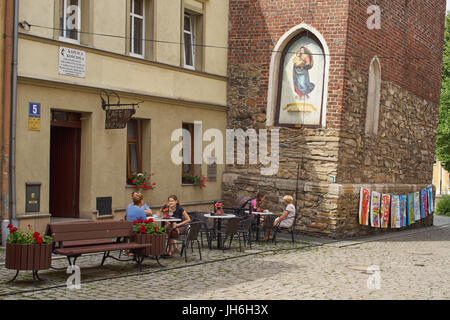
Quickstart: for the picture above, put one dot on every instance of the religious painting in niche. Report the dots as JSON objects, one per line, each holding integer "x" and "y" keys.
{"x": 301, "y": 83}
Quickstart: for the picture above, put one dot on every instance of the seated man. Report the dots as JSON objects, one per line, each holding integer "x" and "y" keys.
{"x": 136, "y": 212}
{"x": 146, "y": 208}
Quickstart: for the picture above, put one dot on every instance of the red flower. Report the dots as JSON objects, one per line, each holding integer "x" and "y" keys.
{"x": 134, "y": 222}
{"x": 150, "y": 220}
{"x": 154, "y": 183}
{"x": 10, "y": 226}
{"x": 155, "y": 228}
{"x": 203, "y": 185}
{"x": 39, "y": 240}
{"x": 36, "y": 234}
{"x": 12, "y": 230}
{"x": 134, "y": 180}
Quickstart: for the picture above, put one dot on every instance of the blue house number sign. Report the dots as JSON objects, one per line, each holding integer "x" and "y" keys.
{"x": 34, "y": 116}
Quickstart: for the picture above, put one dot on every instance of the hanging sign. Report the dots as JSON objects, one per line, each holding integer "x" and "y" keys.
{"x": 34, "y": 116}
{"x": 118, "y": 118}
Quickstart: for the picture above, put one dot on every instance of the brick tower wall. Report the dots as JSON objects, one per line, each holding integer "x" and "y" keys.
{"x": 340, "y": 149}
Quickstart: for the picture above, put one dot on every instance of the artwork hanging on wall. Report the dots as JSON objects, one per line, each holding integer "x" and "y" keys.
{"x": 416, "y": 206}
{"x": 395, "y": 211}
{"x": 385, "y": 208}
{"x": 301, "y": 82}
{"x": 375, "y": 209}
{"x": 410, "y": 209}
{"x": 430, "y": 199}
{"x": 423, "y": 203}
{"x": 403, "y": 214}
{"x": 364, "y": 205}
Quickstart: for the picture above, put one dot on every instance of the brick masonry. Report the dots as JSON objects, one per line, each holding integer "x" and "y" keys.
{"x": 398, "y": 160}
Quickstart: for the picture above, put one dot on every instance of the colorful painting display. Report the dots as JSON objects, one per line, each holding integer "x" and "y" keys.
{"x": 364, "y": 203}
{"x": 410, "y": 209}
{"x": 403, "y": 222}
{"x": 375, "y": 210}
{"x": 385, "y": 208}
{"x": 430, "y": 199}
{"x": 416, "y": 206}
{"x": 395, "y": 211}
{"x": 423, "y": 204}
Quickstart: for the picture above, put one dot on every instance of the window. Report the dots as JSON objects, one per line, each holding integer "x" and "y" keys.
{"x": 373, "y": 98}
{"x": 188, "y": 151}
{"x": 189, "y": 41}
{"x": 70, "y": 20}
{"x": 134, "y": 147}
{"x": 137, "y": 25}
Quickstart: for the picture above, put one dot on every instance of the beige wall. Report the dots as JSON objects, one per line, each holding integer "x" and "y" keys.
{"x": 103, "y": 152}
{"x": 170, "y": 93}
{"x": 440, "y": 174}
{"x": 109, "y": 17}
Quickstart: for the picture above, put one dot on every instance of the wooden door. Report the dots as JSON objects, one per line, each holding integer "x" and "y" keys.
{"x": 64, "y": 170}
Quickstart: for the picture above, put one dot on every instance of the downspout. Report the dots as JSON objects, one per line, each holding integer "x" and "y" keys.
{"x": 14, "y": 112}
{"x": 6, "y": 123}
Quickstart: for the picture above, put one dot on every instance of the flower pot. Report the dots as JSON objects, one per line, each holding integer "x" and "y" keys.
{"x": 28, "y": 256}
{"x": 158, "y": 242}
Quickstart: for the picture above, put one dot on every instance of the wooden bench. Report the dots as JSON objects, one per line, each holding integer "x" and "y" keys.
{"x": 73, "y": 239}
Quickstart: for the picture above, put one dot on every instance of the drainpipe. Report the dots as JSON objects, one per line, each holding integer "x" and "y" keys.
{"x": 6, "y": 124}
{"x": 14, "y": 112}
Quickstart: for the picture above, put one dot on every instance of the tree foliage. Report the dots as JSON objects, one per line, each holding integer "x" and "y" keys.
{"x": 443, "y": 130}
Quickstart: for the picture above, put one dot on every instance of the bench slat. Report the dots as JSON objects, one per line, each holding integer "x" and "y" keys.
{"x": 91, "y": 235}
{"x": 87, "y": 226}
{"x": 73, "y": 251}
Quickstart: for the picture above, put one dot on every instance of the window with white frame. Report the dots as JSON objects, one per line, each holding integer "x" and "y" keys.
{"x": 70, "y": 20}
{"x": 137, "y": 25}
{"x": 189, "y": 41}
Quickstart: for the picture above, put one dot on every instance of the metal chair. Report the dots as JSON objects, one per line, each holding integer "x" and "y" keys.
{"x": 291, "y": 230}
{"x": 231, "y": 230}
{"x": 191, "y": 236}
{"x": 245, "y": 228}
{"x": 206, "y": 229}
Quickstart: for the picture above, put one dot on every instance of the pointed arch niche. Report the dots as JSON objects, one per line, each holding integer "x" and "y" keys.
{"x": 373, "y": 98}
{"x": 282, "y": 78}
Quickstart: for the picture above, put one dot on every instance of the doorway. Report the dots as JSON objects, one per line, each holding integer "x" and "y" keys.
{"x": 65, "y": 146}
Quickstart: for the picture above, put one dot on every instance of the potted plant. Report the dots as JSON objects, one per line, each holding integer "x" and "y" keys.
{"x": 142, "y": 180}
{"x": 195, "y": 178}
{"x": 147, "y": 232}
{"x": 27, "y": 251}
{"x": 165, "y": 211}
{"x": 218, "y": 208}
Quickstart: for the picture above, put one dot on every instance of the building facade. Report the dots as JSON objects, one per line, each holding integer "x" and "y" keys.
{"x": 353, "y": 88}
{"x": 168, "y": 57}
{"x": 441, "y": 179}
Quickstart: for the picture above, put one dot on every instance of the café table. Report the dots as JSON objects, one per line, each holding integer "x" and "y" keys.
{"x": 219, "y": 222}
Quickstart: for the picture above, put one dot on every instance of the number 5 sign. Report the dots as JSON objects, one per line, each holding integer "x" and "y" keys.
{"x": 34, "y": 116}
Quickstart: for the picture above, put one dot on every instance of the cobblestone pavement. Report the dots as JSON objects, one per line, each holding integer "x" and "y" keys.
{"x": 413, "y": 264}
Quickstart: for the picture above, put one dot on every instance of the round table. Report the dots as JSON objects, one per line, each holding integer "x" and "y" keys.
{"x": 219, "y": 222}
{"x": 261, "y": 213}
{"x": 165, "y": 220}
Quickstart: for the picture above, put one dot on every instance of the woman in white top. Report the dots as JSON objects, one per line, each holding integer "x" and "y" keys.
{"x": 287, "y": 218}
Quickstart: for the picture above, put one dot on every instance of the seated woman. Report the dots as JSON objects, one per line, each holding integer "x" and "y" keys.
{"x": 176, "y": 228}
{"x": 146, "y": 208}
{"x": 287, "y": 218}
{"x": 136, "y": 212}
